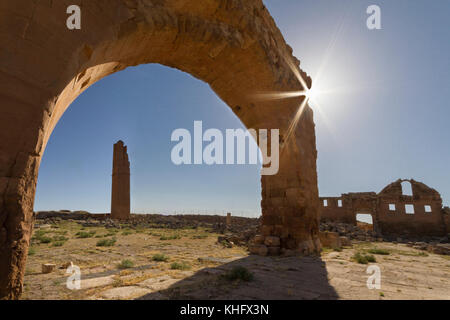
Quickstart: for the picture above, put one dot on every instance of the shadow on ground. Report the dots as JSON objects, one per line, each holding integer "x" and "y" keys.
{"x": 274, "y": 278}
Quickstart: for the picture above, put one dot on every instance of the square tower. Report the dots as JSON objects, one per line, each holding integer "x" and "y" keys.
{"x": 120, "y": 195}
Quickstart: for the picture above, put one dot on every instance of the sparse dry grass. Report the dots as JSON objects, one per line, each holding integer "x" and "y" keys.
{"x": 153, "y": 257}
{"x": 143, "y": 246}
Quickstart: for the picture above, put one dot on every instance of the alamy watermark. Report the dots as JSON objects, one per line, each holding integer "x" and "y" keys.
{"x": 74, "y": 20}
{"x": 234, "y": 150}
{"x": 374, "y": 280}
{"x": 73, "y": 282}
{"x": 374, "y": 20}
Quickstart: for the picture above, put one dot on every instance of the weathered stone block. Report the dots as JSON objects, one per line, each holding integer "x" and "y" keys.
{"x": 266, "y": 230}
{"x": 345, "y": 241}
{"x": 258, "y": 249}
{"x": 442, "y": 248}
{"x": 258, "y": 239}
{"x": 288, "y": 252}
{"x": 272, "y": 241}
{"x": 273, "y": 251}
{"x": 291, "y": 244}
{"x": 330, "y": 239}
{"x": 279, "y": 202}
{"x": 48, "y": 267}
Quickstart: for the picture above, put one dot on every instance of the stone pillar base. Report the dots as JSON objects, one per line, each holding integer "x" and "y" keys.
{"x": 274, "y": 246}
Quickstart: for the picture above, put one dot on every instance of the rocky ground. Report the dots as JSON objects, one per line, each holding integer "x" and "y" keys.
{"x": 158, "y": 257}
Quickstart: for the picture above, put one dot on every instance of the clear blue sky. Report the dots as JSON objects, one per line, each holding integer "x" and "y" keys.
{"x": 386, "y": 116}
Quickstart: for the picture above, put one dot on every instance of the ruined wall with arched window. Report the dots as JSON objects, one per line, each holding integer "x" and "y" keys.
{"x": 394, "y": 210}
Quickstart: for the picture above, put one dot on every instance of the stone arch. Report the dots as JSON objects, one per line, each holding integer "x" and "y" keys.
{"x": 233, "y": 45}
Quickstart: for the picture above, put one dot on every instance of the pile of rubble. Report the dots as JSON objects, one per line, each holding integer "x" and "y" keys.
{"x": 84, "y": 218}
{"x": 332, "y": 235}
{"x": 350, "y": 231}
{"x": 244, "y": 227}
{"x": 438, "y": 248}
{"x": 240, "y": 231}
{"x": 230, "y": 239}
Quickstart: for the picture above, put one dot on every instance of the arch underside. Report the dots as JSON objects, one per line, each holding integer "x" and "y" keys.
{"x": 234, "y": 46}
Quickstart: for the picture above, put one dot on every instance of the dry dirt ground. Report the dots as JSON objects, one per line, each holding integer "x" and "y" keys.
{"x": 195, "y": 266}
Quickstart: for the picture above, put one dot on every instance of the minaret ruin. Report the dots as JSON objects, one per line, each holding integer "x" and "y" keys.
{"x": 120, "y": 195}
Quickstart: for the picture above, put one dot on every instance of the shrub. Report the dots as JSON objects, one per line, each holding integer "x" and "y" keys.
{"x": 422, "y": 254}
{"x": 106, "y": 242}
{"x": 58, "y": 243}
{"x": 60, "y": 238}
{"x": 62, "y": 232}
{"x": 125, "y": 264}
{"x": 379, "y": 251}
{"x": 45, "y": 239}
{"x": 364, "y": 258}
{"x": 160, "y": 257}
{"x": 172, "y": 237}
{"x": 360, "y": 258}
{"x": 31, "y": 251}
{"x": 84, "y": 234}
{"x": 180, "y": 266}
{"x": 127, "y": 233}
{"x": 412, "y": 253}
{"x": 40, "y": 235}
{"x": 239, "y": 273}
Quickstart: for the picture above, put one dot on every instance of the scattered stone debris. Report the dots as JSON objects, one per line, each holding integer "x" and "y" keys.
{"x": 241, "y": 231}
{"x": 345, "y": 241}
{"x": 349, "y": 231}
{"x": 438, "y": 248}
{"x": 48, "y": 267}
{"x": 210, "y": 265}
{"x": 216, "y": 223}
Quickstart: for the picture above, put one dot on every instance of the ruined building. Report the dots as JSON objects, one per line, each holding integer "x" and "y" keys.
{"x": 233, "y": 46}
{"x": 120, "y": 195}
{"x": 393, "y": 211}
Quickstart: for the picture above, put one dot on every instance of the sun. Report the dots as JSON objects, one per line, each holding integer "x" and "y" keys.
{"x": 311, "y": 94}
{"x": 311, "y": 98}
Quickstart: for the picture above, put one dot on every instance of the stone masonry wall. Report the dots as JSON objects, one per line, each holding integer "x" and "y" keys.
{"x": 389, "y": 210}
